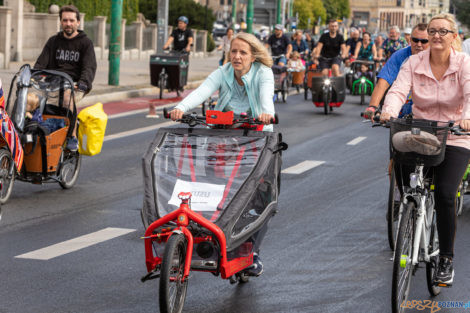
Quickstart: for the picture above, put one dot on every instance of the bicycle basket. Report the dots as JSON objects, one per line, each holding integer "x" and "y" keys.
{"x": 417, "y": 141}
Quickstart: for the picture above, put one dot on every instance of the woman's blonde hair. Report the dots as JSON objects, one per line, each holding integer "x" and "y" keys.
{"x": 258, "y": 50}
{"x": 457, "y": 43}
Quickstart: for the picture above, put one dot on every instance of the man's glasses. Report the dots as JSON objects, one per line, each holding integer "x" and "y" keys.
{"x": 416, "y": 40}
{"x": 442, "y": 32}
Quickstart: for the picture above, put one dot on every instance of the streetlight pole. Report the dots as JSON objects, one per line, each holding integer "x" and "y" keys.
{"x": 278, "y": 12}
{"x": 115, "y": 43}
{"x": 234, "y": 13}
{"x": 249, "y": 17}
{"x": 162, "y": 24}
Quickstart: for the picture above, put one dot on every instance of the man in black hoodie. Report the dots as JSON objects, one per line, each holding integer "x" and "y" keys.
{"x": 71, "y": 52}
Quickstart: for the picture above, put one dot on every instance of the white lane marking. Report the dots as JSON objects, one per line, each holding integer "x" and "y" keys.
{"x": 355, "y": 141}
{"x": 137, "y": 131}
{"x": 302, "y": 167}
{"x": 128, "y": 113}
{"x": 75, "y": 244}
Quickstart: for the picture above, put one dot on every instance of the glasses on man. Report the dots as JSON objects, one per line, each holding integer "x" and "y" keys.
{"x": 416, "y": 40}
{"x": 442, "y": 32}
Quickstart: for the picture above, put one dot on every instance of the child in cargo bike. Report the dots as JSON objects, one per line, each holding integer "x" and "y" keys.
{"x": 245, "y": 85}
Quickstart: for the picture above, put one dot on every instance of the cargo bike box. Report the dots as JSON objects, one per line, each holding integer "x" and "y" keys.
{"x": 206, "y": 192}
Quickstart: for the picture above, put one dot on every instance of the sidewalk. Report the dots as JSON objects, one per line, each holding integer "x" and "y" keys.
{"x": 134, "y": 79}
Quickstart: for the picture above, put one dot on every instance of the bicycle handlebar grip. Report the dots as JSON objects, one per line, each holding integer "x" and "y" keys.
{"x": 275, "y": 120}
{"x": 166, "y": 114}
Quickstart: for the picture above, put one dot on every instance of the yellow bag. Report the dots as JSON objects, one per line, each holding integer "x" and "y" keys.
{"x": 91, "y": 130}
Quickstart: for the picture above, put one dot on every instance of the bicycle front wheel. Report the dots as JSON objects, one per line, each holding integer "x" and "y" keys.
{"x": 431, "y": 266}
{"x": 402, "y": 267}
{"x": 172, "y": 287}
{"x": 392, "y": 210}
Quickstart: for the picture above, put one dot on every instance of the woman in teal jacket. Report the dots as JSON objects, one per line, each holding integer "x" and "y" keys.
{"x": 245, "y": 84}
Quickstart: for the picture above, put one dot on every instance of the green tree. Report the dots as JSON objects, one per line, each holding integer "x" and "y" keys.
{"x": 463, "y": 11}
{"x": 309, "y": 9}
{"x": 195, "y": 12}
{"x": 92, "y": 8}
{"x": 336, "y": 9}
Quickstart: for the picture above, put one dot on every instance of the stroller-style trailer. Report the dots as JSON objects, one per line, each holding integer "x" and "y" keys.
{"x": 207, "y": 191}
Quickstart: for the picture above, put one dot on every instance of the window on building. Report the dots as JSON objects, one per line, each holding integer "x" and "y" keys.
{"x": 229, "y": 2}
{"x": 222, "y": 2}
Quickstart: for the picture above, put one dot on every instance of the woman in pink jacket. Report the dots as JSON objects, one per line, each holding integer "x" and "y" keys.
{"x": 439, "y": 79}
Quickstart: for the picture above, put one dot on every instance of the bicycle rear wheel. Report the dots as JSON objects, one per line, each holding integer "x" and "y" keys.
{"x": 392, "y": 211}
{"x": 402, "y": 267}
{"x": 172, "y": 288}
{"x": 431, "y": 266}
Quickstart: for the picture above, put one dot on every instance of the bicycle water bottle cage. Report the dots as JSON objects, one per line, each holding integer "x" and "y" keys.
{"x": 219, "y": 118}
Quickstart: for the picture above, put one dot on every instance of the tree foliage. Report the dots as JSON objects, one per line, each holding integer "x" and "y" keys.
{"x": 309, "y": 9}
{"x": 195, "y": 12}
{"x": 336, "y": 9}
{"x": 463, "y": 11}
{"x": 92, "y": 8}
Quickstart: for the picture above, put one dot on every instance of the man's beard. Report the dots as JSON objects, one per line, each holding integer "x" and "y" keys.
{"x": 68, "y": 31}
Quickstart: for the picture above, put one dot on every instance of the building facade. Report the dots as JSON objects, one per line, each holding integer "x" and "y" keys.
{"x": 379, "y": 15}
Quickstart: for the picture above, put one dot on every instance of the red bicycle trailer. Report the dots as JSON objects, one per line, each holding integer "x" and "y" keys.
{"x": 207, "y": 191}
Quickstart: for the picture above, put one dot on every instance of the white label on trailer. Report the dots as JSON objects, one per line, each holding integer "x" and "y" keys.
{"x": 205, "y": 197}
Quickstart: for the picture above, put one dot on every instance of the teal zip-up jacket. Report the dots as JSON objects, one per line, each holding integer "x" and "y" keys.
{"x": 259, "y": 85}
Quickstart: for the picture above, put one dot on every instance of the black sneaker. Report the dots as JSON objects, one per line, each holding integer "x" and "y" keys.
{"x": 445, "y": 271}
{"x": 256, "y": 268}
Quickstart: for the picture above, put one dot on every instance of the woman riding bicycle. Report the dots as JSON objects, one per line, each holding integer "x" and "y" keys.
{"x": 366, "y": 49}
{"x": 245, "y": 85}
{"x": 439, "y": 79}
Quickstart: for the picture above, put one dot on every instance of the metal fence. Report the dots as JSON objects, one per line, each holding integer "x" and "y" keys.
{"x": 130, "y": 39}
{"x": 147, "y": 39}
{"x": 91, "y": 30}
{"x": 200, "y": 41}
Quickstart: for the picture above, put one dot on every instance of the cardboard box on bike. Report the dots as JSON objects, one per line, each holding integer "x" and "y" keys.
{"x": 54, "y": 142}
{"x": 176, "y": 66}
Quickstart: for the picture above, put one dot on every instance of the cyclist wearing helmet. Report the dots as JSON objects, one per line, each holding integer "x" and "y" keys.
{"x": 181, "y": 37}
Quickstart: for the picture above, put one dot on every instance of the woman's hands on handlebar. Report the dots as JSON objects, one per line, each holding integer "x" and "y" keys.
{"x": 265, "y": 118}
{"x": 176, "y": 114}
{"x": 465, "y": 125}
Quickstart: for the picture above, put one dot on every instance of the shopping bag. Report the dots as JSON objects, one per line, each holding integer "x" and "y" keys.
{"x": 91, "y": 130}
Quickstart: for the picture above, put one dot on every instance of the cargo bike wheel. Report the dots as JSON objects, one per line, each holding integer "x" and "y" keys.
{"x": 70, "y": 164}
{"x": 172, "y": 291}
{"x": 7, "y": 175}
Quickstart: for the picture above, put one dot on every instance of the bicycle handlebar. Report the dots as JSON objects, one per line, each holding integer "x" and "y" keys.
{"x": 213, "y": 118}
{"x": 453, "y": 129}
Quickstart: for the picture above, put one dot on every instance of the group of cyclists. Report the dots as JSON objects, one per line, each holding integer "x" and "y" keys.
{"x": 428, "y": 73}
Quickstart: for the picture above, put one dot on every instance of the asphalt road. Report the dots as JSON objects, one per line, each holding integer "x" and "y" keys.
{"x": 325, "y": 251}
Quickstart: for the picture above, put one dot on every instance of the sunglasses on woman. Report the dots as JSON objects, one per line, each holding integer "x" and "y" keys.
{"x": 416, "y": 40}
